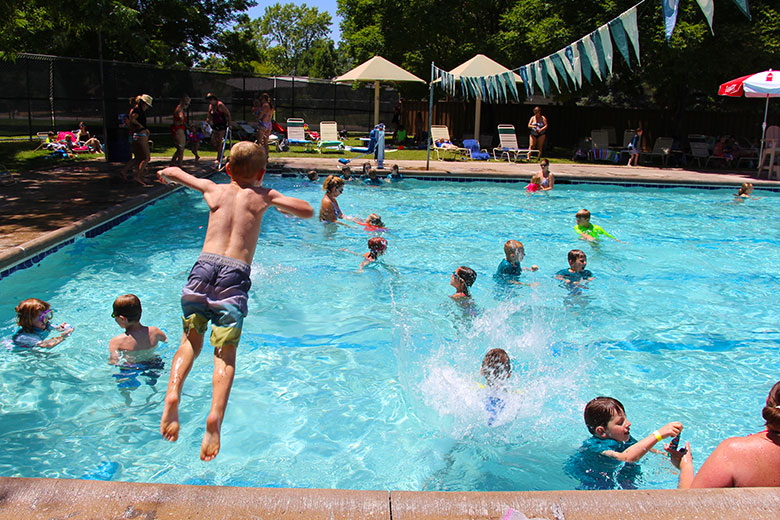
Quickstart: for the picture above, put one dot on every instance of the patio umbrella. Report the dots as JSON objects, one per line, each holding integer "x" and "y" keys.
{"x": 480, "y": 65}
{"x": 760, "y": 85}
{"x": 377, "y": 69}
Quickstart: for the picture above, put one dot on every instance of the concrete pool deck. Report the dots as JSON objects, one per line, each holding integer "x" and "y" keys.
{"x": 48, "y": 206}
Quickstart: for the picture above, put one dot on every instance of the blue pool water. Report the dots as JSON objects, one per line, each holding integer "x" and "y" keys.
{"x": 371, "y": 380}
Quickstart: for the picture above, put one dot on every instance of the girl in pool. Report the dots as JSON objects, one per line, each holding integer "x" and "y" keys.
{"x": 329, "y": 208}
{"x": 376, "y": 248}
{"x": 462, "y": 279}
{"x": 34, "y": 317}
{"x": 373, "y": 223}
{"x": 745, "y": 192}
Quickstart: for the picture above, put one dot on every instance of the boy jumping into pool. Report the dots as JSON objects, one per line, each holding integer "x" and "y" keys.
{"x": 588, "y": 231}
{"x": 219, "y": 281}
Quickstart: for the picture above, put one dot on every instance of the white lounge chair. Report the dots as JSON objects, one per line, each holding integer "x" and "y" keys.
{"x": 329, "y": 137}
{"x": 508, "y": 146}
{"x": 296, "y": 135}
{"x": 441, "y": 134}
{"x": 661, "y": 149}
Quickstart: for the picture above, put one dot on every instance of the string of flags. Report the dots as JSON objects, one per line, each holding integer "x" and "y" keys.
{"x": 587, "y": 59}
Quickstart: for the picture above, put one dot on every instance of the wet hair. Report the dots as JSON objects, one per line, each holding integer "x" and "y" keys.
{"x": 27, "y": 311}
{"x": 600, "y": 410}
{"x": 583, "y": 213}
{"x": 394, "y": 170}
{"x": 744, "y": 188}
{"x": 375, "y": 220}
{"x": 466, "y": 274}
{"x": 771, "y": 412}
{"x": 574, "y": 254}
{"x": 376, "y": 246}
{"x": 496, "y": 365}
{"x": 366, "y": 168}
{"x": 346, "y": 172}
{"x": 332, "y": 182}
{"x": 128, "y": 306}
{"x": 246, "y": 160}
{"x": 312, "y": 175}
{"x": 512, "y": 245}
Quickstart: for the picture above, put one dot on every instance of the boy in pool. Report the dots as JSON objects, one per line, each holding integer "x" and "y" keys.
{"x": 34, "y": 317}
{"x": 136, "y": 337}
{"x": 219, "y": 281}
{"x": 462, "y": 279}
{"x": 576, "y": 273}
{"x": 599, "y": 462}
{"x": 588, "y": 231}
{"x": 509, "y": 270}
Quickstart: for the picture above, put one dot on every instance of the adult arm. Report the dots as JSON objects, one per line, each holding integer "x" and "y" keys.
{"x": 716, "y": 472}
{"x": 224, "y": 109}
{"x": 299, "y": 208}
{"x": 177, "y": 175}
{"x": 531, "y": 123}
{"x": 542, "y": 129}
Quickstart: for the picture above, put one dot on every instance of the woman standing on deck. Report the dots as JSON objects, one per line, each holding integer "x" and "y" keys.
{"x": 538, "y": 127}
{"x": 140, "y": 138}
{"x": 220, "y": 120}
{"x": 179, "y": 130}
{"x": 264, "y": 116}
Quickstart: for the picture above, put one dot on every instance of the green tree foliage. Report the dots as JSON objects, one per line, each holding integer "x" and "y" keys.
{"x": 165, "y": 32}
{"x": 293, "y": 32}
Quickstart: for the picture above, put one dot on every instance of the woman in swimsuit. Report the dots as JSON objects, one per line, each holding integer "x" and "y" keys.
{"x": 329, "y": 208}
{"x": 140, "y": 138}
{"x": 750, "y": 461}
{"x": 179, "y": 130}
{"x": 220, "y": 121}
{"x": 538, "y": 127}
{"x": 264, "y": 114}
{"x": 547, "y": 178}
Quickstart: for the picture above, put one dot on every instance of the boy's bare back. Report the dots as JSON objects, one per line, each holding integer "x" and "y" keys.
{"x": 135, "y": 340}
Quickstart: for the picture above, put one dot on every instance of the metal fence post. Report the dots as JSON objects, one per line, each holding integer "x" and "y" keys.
{"x": 29, "y": 104}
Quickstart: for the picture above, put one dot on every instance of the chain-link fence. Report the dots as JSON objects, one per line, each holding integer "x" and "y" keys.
{"x": 40, "y": 93}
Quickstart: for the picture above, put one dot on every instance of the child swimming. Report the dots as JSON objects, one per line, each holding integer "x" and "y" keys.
{"x": 462, "y": 279}
{"x": 136, "y": 338}
{"x": 588, "y": 231}
{"x": 34, "y": 319}
{"x": 377, "y": 246}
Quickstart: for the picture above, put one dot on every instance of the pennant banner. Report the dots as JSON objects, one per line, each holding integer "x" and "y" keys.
{"x": 708, "y": 9}
{"x": 619, "y": 35}
{"x": 497, "y": 88}
{"x": 606, "y": 43}
{"x": 628, "y": 19}
{"x": 670, "y": 16}
{"x": 743, "y": 6}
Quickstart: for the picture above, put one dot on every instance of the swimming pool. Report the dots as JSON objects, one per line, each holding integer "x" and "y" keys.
{"x": 370, "y": 380}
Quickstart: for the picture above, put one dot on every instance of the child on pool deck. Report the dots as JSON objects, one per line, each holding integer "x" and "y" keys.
{"x": 611, "y": 438}
{"x": 509, "y": 270}
{"x": 34, "y": 317}
{"x": 219, "y": 281}
{"x": 576, "y": 273}
{"x": 462, "y": 279}
{"x": 136, "y": 337}
{"x": 588, "y": 231}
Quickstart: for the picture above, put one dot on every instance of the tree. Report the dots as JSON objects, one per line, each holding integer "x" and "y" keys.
{"x": 292, "y": 30}
{"x": 164, "y": 32}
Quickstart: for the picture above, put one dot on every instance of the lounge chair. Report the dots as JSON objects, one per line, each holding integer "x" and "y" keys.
{"x": 507, "y": 146}
{"x": 44, "y": 138}
{"x": 599, "y": 142}
{"x": 329, "y": 137}
{"x": 296, "y": 135}
{"x": 440, "y": 134}
{"x": 699, "y": 151}
{"x": 477, "y": 154}
{"x": 661, "y": 149}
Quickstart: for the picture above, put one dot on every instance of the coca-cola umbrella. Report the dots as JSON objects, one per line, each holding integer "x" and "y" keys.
{"x": 760, "y": 85}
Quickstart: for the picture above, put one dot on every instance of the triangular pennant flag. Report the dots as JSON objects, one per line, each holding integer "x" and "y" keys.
{"x": 593, "y": 57}
{"x": 539, "y": 76}
{"x": 510, "y": 81}
{"x": 708, "y": 9}
{"x": 548, "y": 64}
{"x": 606, "y": 42}
{"x": 584, "y": 61}
{"x": 596, "y": 37}
{"x": 523, "y": 73}
{"x": 670, "y": 16}
{"x": 619, "y": 35}
{"x": 628, "y": 19}
{"x": 560, "y": 68}
{"x": 743, "y": 6}
{"x": 567, "y": 65}
{"x": 573, "y": 59}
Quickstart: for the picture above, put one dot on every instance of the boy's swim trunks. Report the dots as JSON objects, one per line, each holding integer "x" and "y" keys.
{"x": 216, "y": 290}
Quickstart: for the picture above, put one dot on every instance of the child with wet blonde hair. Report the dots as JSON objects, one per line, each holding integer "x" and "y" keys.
{"x": 34, "y": 317}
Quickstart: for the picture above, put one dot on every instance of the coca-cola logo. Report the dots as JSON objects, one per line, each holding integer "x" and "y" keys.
{"x": 731, "y": 89}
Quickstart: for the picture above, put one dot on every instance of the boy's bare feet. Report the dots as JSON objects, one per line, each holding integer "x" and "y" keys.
{"x": 169, "y": 424}
{"x": 210, "y": 445}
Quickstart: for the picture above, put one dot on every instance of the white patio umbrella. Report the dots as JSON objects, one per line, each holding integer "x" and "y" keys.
{"x": 480, "y": 65}
{"x": 377, "y": 69}
{"x": 760, "y": 85}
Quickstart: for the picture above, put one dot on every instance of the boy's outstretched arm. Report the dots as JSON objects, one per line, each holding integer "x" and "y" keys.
{"x": 176, "y": 174}
{"x": 638, "y": 450}
{"x": 299, "y": 208}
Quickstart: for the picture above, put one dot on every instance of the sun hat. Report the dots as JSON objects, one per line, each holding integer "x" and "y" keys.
{"x": 146, "y": 98}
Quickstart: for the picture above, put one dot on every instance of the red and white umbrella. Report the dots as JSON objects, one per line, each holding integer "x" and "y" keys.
{"x": 760, "y": 85}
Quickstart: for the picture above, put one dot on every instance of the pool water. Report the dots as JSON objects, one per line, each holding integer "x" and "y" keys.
{"x": 370, "y": 380}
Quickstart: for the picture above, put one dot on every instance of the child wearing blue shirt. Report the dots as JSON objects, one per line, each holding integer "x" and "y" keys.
{"x": 607, "y": 460}
{"x": 34, "y": 317}
{"x": 509, "y": 270}
{"x": 576, "y": 273}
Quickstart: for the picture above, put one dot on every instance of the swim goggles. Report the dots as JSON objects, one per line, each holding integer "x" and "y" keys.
{"x": 46, "y": 316}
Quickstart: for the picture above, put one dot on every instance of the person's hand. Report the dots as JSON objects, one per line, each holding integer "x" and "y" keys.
{"x": 66, "y": 329}
{"x": 680, "y": 457}
{"x": 672, "y": 429}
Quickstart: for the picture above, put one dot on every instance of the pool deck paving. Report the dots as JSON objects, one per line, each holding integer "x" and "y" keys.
{"x": 45, "y": 207}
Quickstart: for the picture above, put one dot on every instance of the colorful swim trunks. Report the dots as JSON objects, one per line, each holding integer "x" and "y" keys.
{"x": 217, "y": 291}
